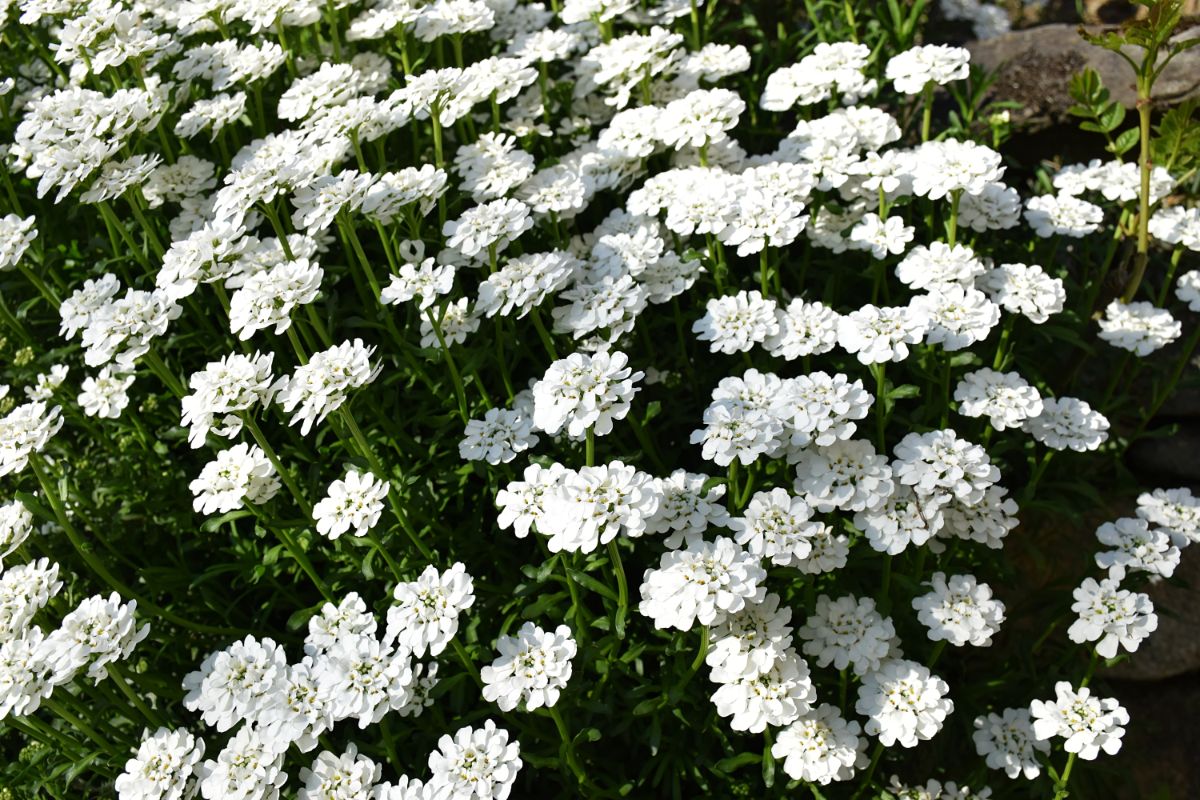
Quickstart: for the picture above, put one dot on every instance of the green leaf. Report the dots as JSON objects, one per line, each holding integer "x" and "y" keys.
{"x": 583, "y": 579}
{"x": 1125, "y": 142}
{"x": 904, "y": 391}
{"x": 300, "y": 618}
{"x": 214, "y": 524}
{"x": 1111, "y": 116}
{"x": 737, "y": 762}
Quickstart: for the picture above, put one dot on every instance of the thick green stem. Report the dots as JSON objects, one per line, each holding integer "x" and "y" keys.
{"x": 1142, "y": 257}
{"x": 927, "y": 111}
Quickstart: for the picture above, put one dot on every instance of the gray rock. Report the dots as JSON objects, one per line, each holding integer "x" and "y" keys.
{"x": 1036, "y": 65}
{"x": 1173, "y": 649}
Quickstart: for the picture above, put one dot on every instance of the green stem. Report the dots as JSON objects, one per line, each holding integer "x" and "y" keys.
{"x": 880, "y": 373}
{"x": 1142, "y": 256}
{"x": 455, "y": 376}
{"x": 927, "y": 110}
{"x": 1062, "y": 789}
{"x": 568, "y": 745}
{"x": 284, "y": 474}
{"x": 74, "y": 720}
{"x": 614, "y": 556}
{"x": 577, "y": 609}
{"x": 117, "y": 673}
{"x": 465, "y": 658}
{"x": 543, "y": 334}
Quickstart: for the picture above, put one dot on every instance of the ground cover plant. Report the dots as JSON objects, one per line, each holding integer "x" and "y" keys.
{"x": 474, "y": 399}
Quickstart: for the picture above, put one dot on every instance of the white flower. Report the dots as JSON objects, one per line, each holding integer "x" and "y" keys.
{"x": 748, "y": 643}
{"x": 737, "y": 429}
{"x": 1007, "y": 742}
{"x": 778, "y": 696}
{"x": 823, "y": 409}
{"x": 497, "y": 438}
{"x": 937, "y": 265}
{"x": 348, "y": 776}
{"x": 702, "y": 582}
{"x": 1089, "y": 724}
{"x": 881, "y": 237}
{"x": 959, "y": 610}
{"x": 592, "y": 506}
{"x": 98, "y": 632}
{"x": 24, "y": 591}
{"x": 353, "y": 502}
{"x": 363, "y": 678}
{"x": 938, "y": 464}
{"x": 1187, "y": 287}
{"x": 1063, "y": 215}
{"x": 268, "y": 298}
{"x": 249, "y": 768}
{"x": 238, "y": 475}
{"x": 321, "y": 386}
{"x": 804, "y": 329}
{"x": 25, "y": 431}
{"x": 164, "y": 767}
{"x": 425, "y": 280}
{"x": 821, "y": 747}
{"x": 1139, "y": 327}
{"x": 775, "y": 526}
{"x": 912, "y": 69}
{"x": 846, "y": 475}
{"x": 348, "y": 619}
{"x": 221, "y": 391}
{"x": 489, "y": 226}
{"x": 1111, "y": 616}
{"x": 685, "y": 508}
{"x": 522, "y": 503}
{"x": 904, "y": 518}
{"x": 997, "y": 207}
{"x": 735, "y": 323}
{"x": 454, "y": 320}
{"x": 1024, "y": 289}
{"x": 16, "y": 523}
{"x": 1067, "y": 422}
{"x": 533, "y": 668}
{"x": 1174, "y": 509}
{"x": 699, "y": 118}
{"x": 905, "y": 702}
{"x": 477, "y": 763}
{"x": 582, "y": 392}
{"x": 1137, "y": 547}
{"x": 848, "y": 632}
{"x": 986, "y": 522}
{"x": 944, "y": 166}
{"x": 105, "y": 395}
{"x": 16, "y": 234}
{"x": 237, "y": 683}
{"x": 878, "y": 335}
{"x": 959, "y": 316}
{"x": 1005, "y": 398}
{"x": 425, "y": 615}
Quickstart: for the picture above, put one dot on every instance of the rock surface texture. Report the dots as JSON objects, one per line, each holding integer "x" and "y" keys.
{"x": 1036, "y": 65}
